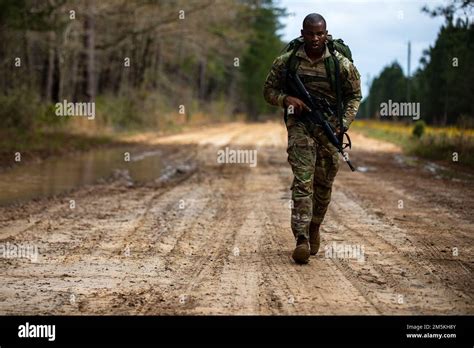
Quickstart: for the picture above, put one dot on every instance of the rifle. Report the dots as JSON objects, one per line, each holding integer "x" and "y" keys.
{"x": 317, "y": 106}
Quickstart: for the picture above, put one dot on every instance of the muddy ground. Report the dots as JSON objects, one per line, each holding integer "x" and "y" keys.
{"x": 210, "y": 238}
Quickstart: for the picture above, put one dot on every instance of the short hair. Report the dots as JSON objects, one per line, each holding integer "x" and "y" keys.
{"x": 313, "y": 18}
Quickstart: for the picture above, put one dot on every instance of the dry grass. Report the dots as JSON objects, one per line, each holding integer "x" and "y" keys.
{"x": 437, "y": 143}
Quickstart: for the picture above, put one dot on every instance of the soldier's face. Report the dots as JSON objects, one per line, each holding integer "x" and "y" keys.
{"x": 314, "y": 35}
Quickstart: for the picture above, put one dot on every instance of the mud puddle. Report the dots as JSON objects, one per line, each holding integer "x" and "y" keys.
{"x": 57, "y": 175}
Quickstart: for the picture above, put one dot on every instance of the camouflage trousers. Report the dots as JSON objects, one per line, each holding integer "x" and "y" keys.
{"x": 314, "y": 162}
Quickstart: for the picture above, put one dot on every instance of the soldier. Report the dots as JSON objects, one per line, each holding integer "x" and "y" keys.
{"x": 314, "y": 161}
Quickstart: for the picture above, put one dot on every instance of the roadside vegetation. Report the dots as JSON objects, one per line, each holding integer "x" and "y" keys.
{"x": 450, "y": 144}
{"x": 148, "y": 66}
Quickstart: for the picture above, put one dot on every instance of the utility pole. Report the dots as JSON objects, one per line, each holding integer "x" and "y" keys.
{"x": 367, "y": 99}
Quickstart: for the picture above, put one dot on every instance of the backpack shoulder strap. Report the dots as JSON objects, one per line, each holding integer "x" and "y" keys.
{"x": 291, "y": 67}
{"x": 292, "y": 62}
{"x": 333, "y": 69}
{"x": 338, "y": 97}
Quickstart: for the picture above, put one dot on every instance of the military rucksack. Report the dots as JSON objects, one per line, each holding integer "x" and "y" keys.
{"x": 332, "y": 65}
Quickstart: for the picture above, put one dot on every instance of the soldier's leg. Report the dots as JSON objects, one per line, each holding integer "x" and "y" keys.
{"x": 327, "y": 165}
{"x": 301, "y": 156}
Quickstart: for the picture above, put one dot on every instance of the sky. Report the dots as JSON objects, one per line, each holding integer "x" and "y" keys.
{"x": 377, "y": 31}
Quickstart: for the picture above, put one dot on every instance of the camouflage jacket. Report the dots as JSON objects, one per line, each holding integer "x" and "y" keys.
{"x": 315, "y": 79}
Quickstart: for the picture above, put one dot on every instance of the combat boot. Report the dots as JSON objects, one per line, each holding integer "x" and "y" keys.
{"x": 314, "y": 238}
{"x": 301, "y": 252}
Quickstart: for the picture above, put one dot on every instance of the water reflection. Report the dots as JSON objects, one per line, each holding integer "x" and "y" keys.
{"x": 57, "y": 175}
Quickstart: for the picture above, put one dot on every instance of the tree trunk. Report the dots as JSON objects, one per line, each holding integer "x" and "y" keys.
{"x": 202, "y": 79}
{"x": 50, "y": 69}
{"x": 89, "y": 28}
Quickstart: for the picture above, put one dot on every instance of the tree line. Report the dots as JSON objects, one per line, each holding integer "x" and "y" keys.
{"x": 136, "y": 59}
{"x": 443, "y": 83}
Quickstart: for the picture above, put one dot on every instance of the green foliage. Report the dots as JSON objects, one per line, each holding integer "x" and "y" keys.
{"x": 23, "y": 109}
{"x": 450, "y": 8}
{"x": 17, "y": 110}
{"x": 391, "y": 84}
{"x": 447, "y": 75}
{"x": 443, "y": 84}
{"x": 119, "y": 112}
{"x": 419, "y": 129}
{"x": 264, "y": 46}
{"x": 171, "y": 64}
{"x": 442, "y": 147}
{"x": 439, "y": 145}
{"x": 20, "y": 14}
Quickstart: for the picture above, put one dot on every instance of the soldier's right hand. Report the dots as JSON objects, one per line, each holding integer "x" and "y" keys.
{"x": 298, "y": 105}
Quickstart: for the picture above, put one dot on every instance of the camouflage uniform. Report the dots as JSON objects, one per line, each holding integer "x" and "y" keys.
{"x": 313, "y": 159}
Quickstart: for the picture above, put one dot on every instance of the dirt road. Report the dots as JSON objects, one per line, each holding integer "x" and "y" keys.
{"x": 210, "y": 238}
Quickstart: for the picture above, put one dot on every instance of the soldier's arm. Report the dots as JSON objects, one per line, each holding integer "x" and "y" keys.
{"x": 351, "y": 91}
{"x": 273, "y": 86}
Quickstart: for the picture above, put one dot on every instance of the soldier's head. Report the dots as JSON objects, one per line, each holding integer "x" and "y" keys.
{"x": 314, "y": 32}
